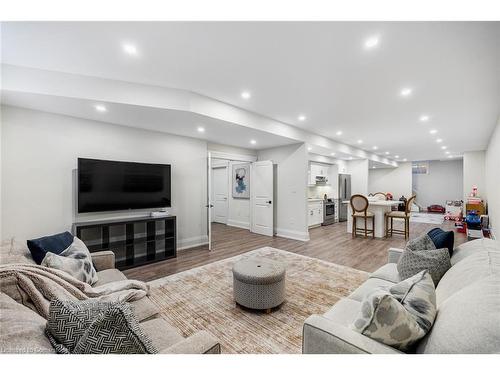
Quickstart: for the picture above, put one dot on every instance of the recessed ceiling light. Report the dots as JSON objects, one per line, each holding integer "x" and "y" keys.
{"x": 246, "y": 95}
{"x": 375, "y": 147}
{"x": 302, "y": 118}
{"x": 360, "y": 141}
{"x": 447, "y": 152}
{"x": 387, "y": 152}
{"x": 405, "y": 159}
{"x": 443, "y": 147}
{"x": 433, "y": 131}
{"x": 100, "y": 108}
{"x": 350, "y": 157}
{"x": 396, "y": 156}
{"x": 309, "y": 148}
{"x": 339, "y": 132}
{"x": 439, "y": 140}
{"x": 333, "y": 154}
{"x": 450, "y": 156}
{"x": 372, "y": 42}
{"x": 129, "y": 49}
{"x": 201, "y": 129}
{"x": 405, "y": 92}
{"x": 374, "y": 167}
{"x": 424, "y": 118}
{"x": 253, "y": 141}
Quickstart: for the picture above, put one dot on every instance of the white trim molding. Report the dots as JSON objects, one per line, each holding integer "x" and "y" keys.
{"x": 187, "y": 243}
{"x": 238, "y": 224}
{"x": 235, "y": 157}
{"x": 292, "y": 234}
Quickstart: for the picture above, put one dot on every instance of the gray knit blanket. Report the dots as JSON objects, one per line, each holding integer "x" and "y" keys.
{"x": 35, "y": 286}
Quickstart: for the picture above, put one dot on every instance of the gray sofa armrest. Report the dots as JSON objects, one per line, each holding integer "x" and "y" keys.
{"x": 103, "y": 260}
{"x": 324, "y": 336}
{"x": 393, "y": 255}
{"x": 202, "y": 342}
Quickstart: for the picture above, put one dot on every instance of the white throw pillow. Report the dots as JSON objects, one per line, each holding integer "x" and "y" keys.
{"x": 75, "y": 260}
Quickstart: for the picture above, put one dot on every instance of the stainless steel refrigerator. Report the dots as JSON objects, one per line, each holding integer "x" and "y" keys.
{"x": 344, "y": 195}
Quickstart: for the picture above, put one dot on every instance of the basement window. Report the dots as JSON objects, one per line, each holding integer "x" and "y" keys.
{"x": 421, "y": 167}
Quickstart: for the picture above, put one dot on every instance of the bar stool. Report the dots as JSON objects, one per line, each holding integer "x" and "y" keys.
{"x": 379, "y": 196}
{"x": 359, "y": 206}
{"x": 405, "y": 215}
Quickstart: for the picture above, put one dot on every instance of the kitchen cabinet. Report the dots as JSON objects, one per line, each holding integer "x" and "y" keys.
{"x": 315, "y": 213}
{"x": 317, "y": 170}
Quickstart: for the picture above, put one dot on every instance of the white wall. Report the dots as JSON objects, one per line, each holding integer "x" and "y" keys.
{"x": 234, "y": 151}
{"x": 358, "y": 169}
{"x": 40, "y": 152}
{"x": 492, "y": 168}
{"x": 1, "y": 180}
{"x": 443, "y": 182}
{"x": 291, "y": 187}
{"x": 396, "y": 181}
{"x": 474, "y": 173}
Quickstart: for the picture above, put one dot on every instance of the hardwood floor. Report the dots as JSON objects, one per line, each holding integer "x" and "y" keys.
{"x": 330, "y": 243}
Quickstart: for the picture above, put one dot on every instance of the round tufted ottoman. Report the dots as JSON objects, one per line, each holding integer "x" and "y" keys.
{"x": 259, "y": 283}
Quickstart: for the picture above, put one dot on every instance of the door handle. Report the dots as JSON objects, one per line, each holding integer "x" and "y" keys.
{"x": 269, "y": 202}
{"x": 209, "y": 205}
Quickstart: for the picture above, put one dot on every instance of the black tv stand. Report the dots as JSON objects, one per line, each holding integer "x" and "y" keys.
{"x": 135, "y": 241}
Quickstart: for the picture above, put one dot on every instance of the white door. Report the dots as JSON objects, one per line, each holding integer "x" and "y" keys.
{"x": 220, "y": 184}
{"x": 261, "y": 189}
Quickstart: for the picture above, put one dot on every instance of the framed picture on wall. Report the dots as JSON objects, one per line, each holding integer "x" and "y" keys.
{"x": 241, "y": 181}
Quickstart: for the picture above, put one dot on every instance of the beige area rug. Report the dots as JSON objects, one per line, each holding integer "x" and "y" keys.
{"x": 202, "y": 299}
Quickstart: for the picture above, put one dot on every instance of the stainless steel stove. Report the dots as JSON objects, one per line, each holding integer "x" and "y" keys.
{"x": 328, "y": 212}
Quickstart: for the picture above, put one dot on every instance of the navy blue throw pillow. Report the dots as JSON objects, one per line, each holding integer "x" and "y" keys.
{"x": 54, "y": 244}
{"x": 442, "y": 239}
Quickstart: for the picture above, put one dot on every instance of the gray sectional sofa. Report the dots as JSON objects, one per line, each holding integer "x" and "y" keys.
{"x": 468, "y": 302}
{"x": 22, "y": 329}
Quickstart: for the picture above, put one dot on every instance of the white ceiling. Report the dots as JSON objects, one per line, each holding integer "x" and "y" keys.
{"x": 179, "y": 122}
{"x": 319, "y": 69}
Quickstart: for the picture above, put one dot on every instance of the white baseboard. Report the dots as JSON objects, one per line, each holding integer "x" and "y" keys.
{"x": 238, "y": 224}
{"x": 292, "y": 234}
{"x": 187, "y": 243}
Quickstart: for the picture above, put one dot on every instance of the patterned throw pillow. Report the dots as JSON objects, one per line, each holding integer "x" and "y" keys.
{"x": 423, "y": 242}
{"x": 75, "y": 260}
{"x": 421, "y": 254}
{"x": 94, "y": 327}
{"x": 401, "y": 315}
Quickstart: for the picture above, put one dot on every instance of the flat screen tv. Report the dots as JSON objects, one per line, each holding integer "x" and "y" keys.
{"x": 105, "y": 185}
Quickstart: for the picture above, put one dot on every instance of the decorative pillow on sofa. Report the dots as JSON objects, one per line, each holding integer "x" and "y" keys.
{"x": 94, "y": 327}
{"x": 442, "y": 239}
{"x": 56, "y": 244}
{"x": 401, "y": 315}
{"x": 436, "y": 261}
{"x": 75, "y": 260}
{"x": 422, "y": 242}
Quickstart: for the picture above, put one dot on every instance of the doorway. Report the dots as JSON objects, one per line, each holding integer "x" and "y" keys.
{"x": 220, "y": 194}
{"x": 255, "y": 212}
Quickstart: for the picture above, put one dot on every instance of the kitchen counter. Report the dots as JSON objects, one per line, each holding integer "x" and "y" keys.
{"x": 378, "y": 203}
{"x": 378, "y": 208}
{"x": 315, "y": 199}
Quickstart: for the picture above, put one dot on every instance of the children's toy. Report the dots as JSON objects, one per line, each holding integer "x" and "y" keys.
{"x": 474, "y": 191}
{"x": 454, "y": 210}
{"x": 473, "y": 220}
{"x": 436, "y": 208}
